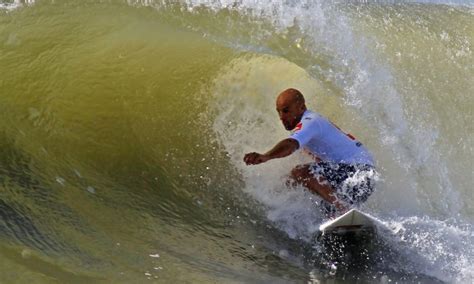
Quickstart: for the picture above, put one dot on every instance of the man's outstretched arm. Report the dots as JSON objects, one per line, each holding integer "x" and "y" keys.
{"x": 282, "y": 149}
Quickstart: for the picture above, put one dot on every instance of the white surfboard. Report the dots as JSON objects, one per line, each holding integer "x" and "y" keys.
{"x": 351, "y": 221}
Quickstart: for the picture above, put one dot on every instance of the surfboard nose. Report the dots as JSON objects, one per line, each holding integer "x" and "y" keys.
{"x": 351, "y": 221}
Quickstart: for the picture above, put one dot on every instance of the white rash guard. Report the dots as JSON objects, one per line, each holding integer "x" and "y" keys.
{"x": 325, "y": 140}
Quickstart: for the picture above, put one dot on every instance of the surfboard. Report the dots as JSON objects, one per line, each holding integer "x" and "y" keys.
{"x": 351, "y": 221}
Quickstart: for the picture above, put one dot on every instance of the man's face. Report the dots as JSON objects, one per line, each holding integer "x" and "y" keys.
{"x": 290, "y": 112}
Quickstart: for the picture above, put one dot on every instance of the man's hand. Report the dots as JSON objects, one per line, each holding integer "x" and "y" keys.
{"x": 255, "y": 158}
{"x": 281, "y": 149}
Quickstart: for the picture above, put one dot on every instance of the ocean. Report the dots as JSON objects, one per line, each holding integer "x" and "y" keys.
{"x": 123, "y": 126}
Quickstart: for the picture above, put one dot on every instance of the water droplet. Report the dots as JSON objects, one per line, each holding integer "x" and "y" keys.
{"x": 77, "y": 173}
{"x": 283, "y": 253}
{"x": 333, "y": 269}
{"x": 60, "y": 180}
{"x": 26, "y": 253}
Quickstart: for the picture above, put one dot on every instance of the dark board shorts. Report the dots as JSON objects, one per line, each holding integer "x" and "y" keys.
{"x": 354, "y": 183}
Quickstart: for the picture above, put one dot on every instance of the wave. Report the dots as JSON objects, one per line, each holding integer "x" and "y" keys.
{"x": 124, "y": 127}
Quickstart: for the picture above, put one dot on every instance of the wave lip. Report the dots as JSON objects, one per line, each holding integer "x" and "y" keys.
{"x": 15, "y": 4}
{"x": 9, "y": 7}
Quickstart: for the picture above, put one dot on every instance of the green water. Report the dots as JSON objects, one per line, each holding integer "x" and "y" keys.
{"x": 123, "y": 123}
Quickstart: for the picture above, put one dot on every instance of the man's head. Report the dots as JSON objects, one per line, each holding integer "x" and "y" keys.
{"x": 290, "y": 106}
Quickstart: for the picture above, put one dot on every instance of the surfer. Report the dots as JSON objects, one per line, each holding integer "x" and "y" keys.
{"x": 342, "y": 173}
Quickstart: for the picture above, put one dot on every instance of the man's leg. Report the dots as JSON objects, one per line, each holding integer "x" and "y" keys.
{"x": 302, "y": 175}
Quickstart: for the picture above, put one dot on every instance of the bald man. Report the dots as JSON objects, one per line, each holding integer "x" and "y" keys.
{"x": 342, "y": 173}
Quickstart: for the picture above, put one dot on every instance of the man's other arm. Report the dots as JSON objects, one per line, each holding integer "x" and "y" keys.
{"x": 282, "y": 149}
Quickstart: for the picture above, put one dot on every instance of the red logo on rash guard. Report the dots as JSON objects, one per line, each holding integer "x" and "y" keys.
{"x": 347, "y": 134}
{"x": 350, "y": 136}
{"x": 298, "y": 126}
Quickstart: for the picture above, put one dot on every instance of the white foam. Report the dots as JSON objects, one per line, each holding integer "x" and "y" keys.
{"x": 442, "y": 249}
{"x": 16, "y": 4}
{"x": 9, "y": 7}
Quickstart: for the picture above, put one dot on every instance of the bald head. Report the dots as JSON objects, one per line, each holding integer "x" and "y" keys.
{"x": 291, "y": 95}
{"x": 290, "y": 106}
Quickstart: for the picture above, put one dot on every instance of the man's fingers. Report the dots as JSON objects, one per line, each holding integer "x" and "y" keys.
{"x": 247, "y": 158}
{"x": 251, "y": 158}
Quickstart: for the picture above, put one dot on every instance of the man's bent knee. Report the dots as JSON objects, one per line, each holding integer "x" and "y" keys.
{"x": 300, "y": 174}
